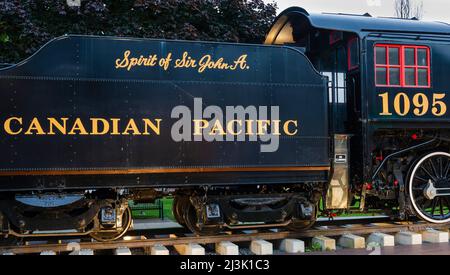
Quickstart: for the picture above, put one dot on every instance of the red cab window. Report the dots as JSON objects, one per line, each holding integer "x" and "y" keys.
{"x": 402, "y": 66}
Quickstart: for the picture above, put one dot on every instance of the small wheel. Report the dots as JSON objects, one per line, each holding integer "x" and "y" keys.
{"x": 112, "y": 236}
{"x": 301, "y": 225}
{"x": 429, "y": 187}
{"x": 191, "y": 219}
{"x": 179, "y": 204}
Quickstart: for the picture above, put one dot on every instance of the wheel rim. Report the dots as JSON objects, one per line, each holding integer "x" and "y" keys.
{"x": 300, "y": 225}
{"x": 429, "y": 175}
{"x": 179, "y": 203}
{"x": 112, "y": 236}
{"x": 191, "y": 218}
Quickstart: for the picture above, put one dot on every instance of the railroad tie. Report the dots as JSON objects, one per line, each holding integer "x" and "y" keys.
{"x": 435, "y": 236}
{"x": 352, "y": 241}
{"x": 159, "y": 250}
{"x": 227, "y": 248}
{"x": 381, "y": 239}
{"x": 292, "y": 246}
{"x": 325, "y": 243}
{"x": 82, "y": 252}
{"x": 122, "y": 251}
{"x": 261, "y": 247}
{"x": 190, "y": 249}
{"x": 408, "y": 238}
{"x": 48, "y": 253}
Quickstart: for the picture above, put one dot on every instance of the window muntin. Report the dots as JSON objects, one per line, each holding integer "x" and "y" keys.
{"x": 402, "y": 66}
{"x": 353, "y": 54}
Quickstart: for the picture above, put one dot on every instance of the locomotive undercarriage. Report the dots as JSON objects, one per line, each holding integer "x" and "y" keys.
{"x": 105, "y": 215}
{"x": 411, "y": 175}
{"x": 208, "y": 213}
{"x": 100, "y": 215}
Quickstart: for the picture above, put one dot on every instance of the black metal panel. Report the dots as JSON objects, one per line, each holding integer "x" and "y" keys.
{"x": 440, "y": 83}
{"x": 76, "y": 77}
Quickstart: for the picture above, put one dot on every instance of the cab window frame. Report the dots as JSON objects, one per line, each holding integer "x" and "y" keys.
{"x": 402, "y": 65}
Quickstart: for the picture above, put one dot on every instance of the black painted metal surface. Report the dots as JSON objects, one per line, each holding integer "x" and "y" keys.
{"x": 76, "y": 77}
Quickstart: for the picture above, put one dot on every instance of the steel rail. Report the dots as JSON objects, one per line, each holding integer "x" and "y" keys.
{"x": 171, "y": 239}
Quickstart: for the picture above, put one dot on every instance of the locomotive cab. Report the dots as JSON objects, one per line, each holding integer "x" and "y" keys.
{"x": 387, "y": 91}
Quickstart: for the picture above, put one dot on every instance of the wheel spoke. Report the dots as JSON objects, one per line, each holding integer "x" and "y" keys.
{"x": 447, "y": 202}
{"x": 420, "y": 199}
{"x": 447, "y": 168}
{"x": 441, "y": 207}
{"x": 433, "y": 207}
{"x": 433, "y": 168}
{"x": 420, "y": 178}
{"x": 440, "y": 167}
{"x": 419, "y": 187}
{"x": 427, "y": 172}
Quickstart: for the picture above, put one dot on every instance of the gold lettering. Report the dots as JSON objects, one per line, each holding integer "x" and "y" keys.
{"x": 217, "y": 127}
{"x": 131, "y": 126}
{"x": 7, "y": 125}
{"x": 241, "y": 62}
{"x": 230, "y": 127}
{"x": 198, "y": 125}
{"x": 249, "y": 130}
{"x": 262, "y": 126}
{"x": 124, "y": 62}
{"x": 55, "y": 123}
{"x": 78, "y": 126}
{"x": 95, "y": 126}
{"x": 155, "y": 128}
{"x": 276, "y": 127}
{"x": 185, "y": 62}
{"x": 165, "y": 62}
{"x": 35, "y": 126}
{"x": 286, "y": 127}
{"x": 115, "y": 126}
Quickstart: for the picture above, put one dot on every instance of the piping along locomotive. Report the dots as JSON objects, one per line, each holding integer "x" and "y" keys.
{"x": 332, "y": 109}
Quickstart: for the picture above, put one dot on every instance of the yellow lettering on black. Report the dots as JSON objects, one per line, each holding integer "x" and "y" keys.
{"x": 78, "y": 127}
{"x": 156, "y": 128}
{"x": 35, "y": 127}
{"x": 131, "y": 126}
{"x": 54, "y": 123}
{"x": 7, "y": 125}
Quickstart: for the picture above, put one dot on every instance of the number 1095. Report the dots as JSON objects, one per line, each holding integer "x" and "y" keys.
{"x": 418, "y": 105}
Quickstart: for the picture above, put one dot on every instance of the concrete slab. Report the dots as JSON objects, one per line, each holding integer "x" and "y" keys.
{"x": 292, "y": 246}
{"x": 324, "y": 243}
{"x": 190, "y": 249}
{"x": 48, "y": 253}
{"x": 82, "y": 252}
{"x": 381, "y": 239}
{"x": 227, "y": 248}
{"x": 159, "y": 250}
{"x": 352, "y": 241}
{"x": 408, "y": 238}
{"x": 261, "y": 247}
{"x": 435, "y": 236}
{"x": 122, "y": 251}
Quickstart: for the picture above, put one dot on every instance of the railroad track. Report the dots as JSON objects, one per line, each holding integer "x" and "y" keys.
{"x": 143, "y": 241}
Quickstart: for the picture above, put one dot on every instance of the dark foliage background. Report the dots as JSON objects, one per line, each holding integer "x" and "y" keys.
{"x": 25, "y": 25}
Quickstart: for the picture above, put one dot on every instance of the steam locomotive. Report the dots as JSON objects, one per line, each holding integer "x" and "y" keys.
{"x": 333, "y": 109}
